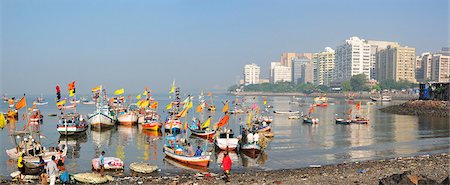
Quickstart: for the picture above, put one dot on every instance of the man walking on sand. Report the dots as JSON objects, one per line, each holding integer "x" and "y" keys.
{"x": 226, "y": 165}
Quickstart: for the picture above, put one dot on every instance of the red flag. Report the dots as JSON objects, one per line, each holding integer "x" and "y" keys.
{"x": 358, "y": 105}
{"x": 223, "y": 121}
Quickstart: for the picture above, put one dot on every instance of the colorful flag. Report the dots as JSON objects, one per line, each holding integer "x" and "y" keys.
{"x": 145, "y": 93}
{"x": 358, "y": 105}
{"x": 2, "y": 121}
{"x": 199, "y": 108}
{"x": 265, "y": 101}
{"x": 223, "y": 121}
{"x": 71, "y": 86}
{"x": 138, "y": 96}
{"x": 98, "y": 88}
{"x": 119, "y": 91}
{"x": 207, "y": 123}
{"x": 155, "y": 105}
{"x": 172, "y": 90}
{"x": 225, "y": 107}
{"x": 249, "y": 121}
{"x": 60, "y": 103}
{"x": 145, "y": 103}
{"x": 139, "y": 103}
{"x": 182, "y": 113}
{"x": 71, "y": 92}
{"x": 169, "y": 106}
{"x": 21, "y": 104}
{"x": 190, "y": 105}
{"x": 58, "y": 93}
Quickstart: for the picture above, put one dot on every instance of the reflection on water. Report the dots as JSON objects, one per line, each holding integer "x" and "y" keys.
{"x": 295, "y": 144}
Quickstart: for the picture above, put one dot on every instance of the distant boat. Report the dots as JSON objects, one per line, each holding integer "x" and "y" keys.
{"x": 127, "y": 117}
{"x": 40, "y": 101}
{"x": 286, "y": 112}
{"x": 382, "y": 99}
{"x": 320, "y": 101}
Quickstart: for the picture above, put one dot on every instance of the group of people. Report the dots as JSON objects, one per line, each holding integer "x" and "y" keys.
{"x": 48, "y": 169}
{"x": 250, "y": 137}
{"x": 189, "y": 151}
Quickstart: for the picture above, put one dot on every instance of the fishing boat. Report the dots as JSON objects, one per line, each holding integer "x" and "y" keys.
{"x": 73, "y": 101}
{"x": 40, "y": 101}
{"x": 294, "y": 117}
{"x": 265, "y": 118}
{"x": 202, "y": 130}
{"x": 25, "y": 143}
{"x": 381, "y": 99}
{"x": 88, "y": 102}
{"x": 152, "y": 125}
{"x": 320, "y": 101}
{"x": 360, "y": 120}
{"x": 226, "y": 141}
{"x": 172, "y": 150}
{"x": 211, "y": 106}
{"x": 251, "y": 149}
{"x": 110, "y": 163}
{"x": 185, "y": 166}
{"x": 5, "y": 99}
{"x": 343, "y": 121}
{"x": 70, "y": 124}
{"x": 286, "y": 112}
{"x": 102, "y": 117}
{"x": 173, "y": 123}
{"x": 127, "y": 117}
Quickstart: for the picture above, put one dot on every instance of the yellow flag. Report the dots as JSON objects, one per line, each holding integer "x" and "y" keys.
{"x": 139, "y": 103}
{"x": 2, "y": 121}
{"x": 138, "y": 97}
{"x": 98, "y": 88}
{"x": 144, "y": 93}
{"x": 182, "y": 113}
{"x": 172, "y": 90}
{"x": 71, "y": 93}
{"x": 199, "y": 108}
{"x": 249, "y": 118}
{"x": 169, "y": 106}
{"x": 190, "y": 105}
{"x": 225, "y": 107}
{"x": 145, "y": 103}
{"x": 207, "y": 123}
{"x": 61, "y": 103}
{"x": 119, "y": 91}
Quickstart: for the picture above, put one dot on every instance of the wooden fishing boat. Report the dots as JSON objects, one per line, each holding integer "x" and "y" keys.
{"x": 174, "y": 151}
{"x": 320, "y": 101}
{"x": 71, "y": 124}
{"x": 251, "y": 149}
{"x": 103, "y": 117}
{"x": 152, "y": 125}
{"x": 172, "y": 125}
{"x": 262, "y": 128}
{"x": 185, "y": 165}
{"x": 360, "y": 120}
{"x": 381, "y": 99}
{"x": 206, "y": 134}
{"x": 110, "y": 163}
{"x": 226, "y": 142}
{"x": 310, "y": 120}
{"x": 294, "y": 117}
{"x": 127, "y": 117}
{"x": 342, "y": 121}
{"x": 286, "y": 112}
{"x": 267, "y": 119}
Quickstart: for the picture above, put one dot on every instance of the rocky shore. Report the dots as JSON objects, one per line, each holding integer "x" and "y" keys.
{"x": 420, "y": 108}
{"x": 433, "y": 169}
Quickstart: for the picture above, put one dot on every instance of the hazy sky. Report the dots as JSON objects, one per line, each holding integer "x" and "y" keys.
{"x": 201, "y": 44}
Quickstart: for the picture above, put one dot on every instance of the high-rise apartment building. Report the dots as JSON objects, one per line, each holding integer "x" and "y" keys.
{"x": 251, "y": 74}
{"x": 280, "y": 73}
{"x": 352, "y": 58}
{"x": 324, "y": 67}
{"x": 440, "y": 68}
{"x": 396, "y": 63}
{"x": 286, "y": 58}
{"x": 375, "y": 46}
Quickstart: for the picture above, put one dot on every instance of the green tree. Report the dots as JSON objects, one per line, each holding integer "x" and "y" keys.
{"x": 346, "y": 86}
{"x": 358, "y": 82}
{"x": 376, "y": 87}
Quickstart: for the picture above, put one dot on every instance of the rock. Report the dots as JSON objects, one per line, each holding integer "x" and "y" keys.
{"x": 92, "y": 178}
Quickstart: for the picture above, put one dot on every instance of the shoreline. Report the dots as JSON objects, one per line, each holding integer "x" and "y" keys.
{"x": 420, "y": 108}
{"x": 356, "y": 95}
{"x": 435, "y": 167}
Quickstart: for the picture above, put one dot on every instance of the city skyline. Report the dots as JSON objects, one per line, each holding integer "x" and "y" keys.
{"x": 201, "y": 46}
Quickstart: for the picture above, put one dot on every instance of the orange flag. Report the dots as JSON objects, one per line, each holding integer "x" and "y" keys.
{"x": 155, "y": 105}
{"x": 225, "y": 107}
{"x": 209, "y": 93}
{"x": 223, "y": 121}
{"x": 358, "y": 105}
{"x": 21, "y": 104}
{"x": 311, "y": 110}
{"x": 199, "y": 108}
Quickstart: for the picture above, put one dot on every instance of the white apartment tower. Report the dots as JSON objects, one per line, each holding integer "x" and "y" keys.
{"x": 352, "y": 58}
{"x": 324, "y": 61}
{"x": 251, "y": 74}
{"x": 280, "y": 73}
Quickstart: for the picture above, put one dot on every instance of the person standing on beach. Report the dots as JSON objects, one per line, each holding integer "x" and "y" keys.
{"x": 102, "y": 163}
{"x": 20, "y": 165}
{"x": 226, "y": 165}
{"x": 52, "y": 170}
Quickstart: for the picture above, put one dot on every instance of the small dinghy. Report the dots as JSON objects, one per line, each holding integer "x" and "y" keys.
{"x": 111, "y": 163}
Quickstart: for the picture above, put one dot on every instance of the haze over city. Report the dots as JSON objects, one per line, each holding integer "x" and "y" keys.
{"x": 200, "y": 44}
